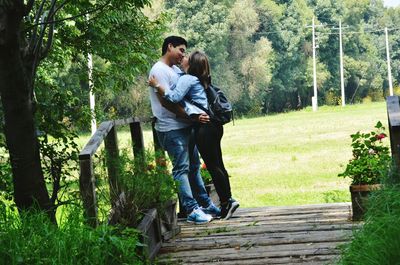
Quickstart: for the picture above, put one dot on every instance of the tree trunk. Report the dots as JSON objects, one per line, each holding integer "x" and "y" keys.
{"x": 29, "y": 185}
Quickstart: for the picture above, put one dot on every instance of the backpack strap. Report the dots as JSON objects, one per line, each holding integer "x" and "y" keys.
{"x": 199, "y": 106}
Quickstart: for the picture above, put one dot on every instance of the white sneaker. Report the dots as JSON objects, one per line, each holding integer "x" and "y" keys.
{"x": 197, "y": 216}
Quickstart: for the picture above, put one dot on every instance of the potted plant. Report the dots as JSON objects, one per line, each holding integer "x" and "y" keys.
{"x": 371, "y": 160}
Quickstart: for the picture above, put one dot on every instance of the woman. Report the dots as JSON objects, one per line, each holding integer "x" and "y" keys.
{"x": 208, "y": 134}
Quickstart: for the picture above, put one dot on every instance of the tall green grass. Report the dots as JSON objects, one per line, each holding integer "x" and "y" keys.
{"x": 378, "y": 241}
{"x": 34, "y": 240}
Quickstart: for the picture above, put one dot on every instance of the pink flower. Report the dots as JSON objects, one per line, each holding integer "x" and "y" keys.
{"x": 203, "y": 166}
{"x": 380, "y": 136}
{"x": 371, "y": 152}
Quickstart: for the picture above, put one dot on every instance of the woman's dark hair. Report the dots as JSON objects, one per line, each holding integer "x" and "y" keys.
{"x": 199, "y": 67}
{"x": 174, "y": 40}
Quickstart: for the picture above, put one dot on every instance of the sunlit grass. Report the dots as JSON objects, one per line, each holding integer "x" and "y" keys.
{"x": 291, "y": 158}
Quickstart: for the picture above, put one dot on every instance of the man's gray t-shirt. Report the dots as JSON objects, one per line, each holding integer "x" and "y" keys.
{"x": 167, "y": 77}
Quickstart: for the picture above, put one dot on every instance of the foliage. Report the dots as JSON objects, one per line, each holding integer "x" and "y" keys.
{"x": 56, "y": 37}
{"x": 146, "y": 185}
{"x": 205, "y": 174}
{"x": 34, "y": 240}
{"x": 377, "y": 241}
{"x": 371, "y": 158}
{"x": 277, "y": 75}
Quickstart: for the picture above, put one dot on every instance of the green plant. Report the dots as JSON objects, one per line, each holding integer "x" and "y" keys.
{"x": 377, "y": 241}
{"x": 145, "y": 184}
{"x": 34, "y": 239}
{"x": 371, "y": 158}
{"x": 205, "y": 174}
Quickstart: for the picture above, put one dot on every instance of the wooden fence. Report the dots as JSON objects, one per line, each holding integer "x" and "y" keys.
{"x": 107, "y": 132}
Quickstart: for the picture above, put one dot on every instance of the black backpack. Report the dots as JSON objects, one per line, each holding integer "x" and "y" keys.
{"x": 220, "y": 109}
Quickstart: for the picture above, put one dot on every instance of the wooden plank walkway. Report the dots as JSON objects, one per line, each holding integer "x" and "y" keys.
{"x": 307, "y": 234}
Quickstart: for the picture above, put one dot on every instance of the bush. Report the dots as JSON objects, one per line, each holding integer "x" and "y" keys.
{"x": 146, "y": 185}
{"x": 33, "y": 239}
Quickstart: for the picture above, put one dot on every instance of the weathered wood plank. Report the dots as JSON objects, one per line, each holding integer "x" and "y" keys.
{"x": 256, "y": 221}
{"x": 238, "y": 253}
{"x": 96, "y": 140}
{"x": 269, "y": 229}
{"x": 261, "y": 240}
{"x": 88, "y": 191}
{"x": 314, "y": 260}
{"x": 393, "y": 112}
{"x": 112, "y": 151}
{"x": 295, "y": 209}
{"x": 137, "y": 139}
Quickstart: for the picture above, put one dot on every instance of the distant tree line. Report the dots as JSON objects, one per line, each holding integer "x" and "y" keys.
{"x": 261, "y": 51}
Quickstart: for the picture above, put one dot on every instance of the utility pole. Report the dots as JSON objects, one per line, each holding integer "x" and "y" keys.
{"x": 388, "y": 63}
{"x": 314, "y": 99}
{"x": 341, "y": 65}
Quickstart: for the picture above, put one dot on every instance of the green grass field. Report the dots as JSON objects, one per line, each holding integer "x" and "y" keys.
{"x": 292, "y": 158}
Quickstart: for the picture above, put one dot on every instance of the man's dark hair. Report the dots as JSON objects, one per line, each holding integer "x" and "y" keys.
{"x": 174, "y": 40}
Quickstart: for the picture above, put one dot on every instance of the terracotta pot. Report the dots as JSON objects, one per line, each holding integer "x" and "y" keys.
{"x": 359, "y": 197}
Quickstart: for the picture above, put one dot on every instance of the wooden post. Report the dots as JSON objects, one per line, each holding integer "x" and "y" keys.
{"x": 137, "y": 139}
{"x": 393, "y": 110}
{"x": 87, "y": 179}
{"x": 88, "y": 191}
{"x": 111, "y": 145}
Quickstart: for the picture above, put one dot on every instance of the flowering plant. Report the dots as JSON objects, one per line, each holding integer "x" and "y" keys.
{"x": 205, "y": 174}
{"x": 371, "y": 158}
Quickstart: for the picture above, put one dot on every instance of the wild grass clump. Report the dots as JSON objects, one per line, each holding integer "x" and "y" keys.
{"x": 33, "y": 239}
{"x": 378, "y": 241}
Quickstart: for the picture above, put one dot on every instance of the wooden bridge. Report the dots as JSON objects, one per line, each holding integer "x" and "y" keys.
{"x": 309, "y": 234}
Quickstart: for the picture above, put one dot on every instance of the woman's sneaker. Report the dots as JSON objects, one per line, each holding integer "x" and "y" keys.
{"x": 228, "y": 209}
{"x": 212, "y": 210}
{"x": 197, "y": 216}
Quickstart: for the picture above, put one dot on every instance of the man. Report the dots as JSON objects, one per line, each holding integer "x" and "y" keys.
{"x": 174, "y": 131}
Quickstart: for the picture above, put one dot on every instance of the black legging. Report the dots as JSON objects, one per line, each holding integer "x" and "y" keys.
{"x": 208, "y": 140}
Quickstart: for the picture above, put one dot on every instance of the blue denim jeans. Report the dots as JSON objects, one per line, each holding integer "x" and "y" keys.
{"x": 186, "y": 167}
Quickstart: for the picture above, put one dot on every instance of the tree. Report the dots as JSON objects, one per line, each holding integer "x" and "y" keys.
{"x": 118, "y": 33}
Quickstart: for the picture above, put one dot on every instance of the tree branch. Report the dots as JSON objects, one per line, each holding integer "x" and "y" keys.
{"x": 35, "y": 26}
{"x": 71, "y": 17}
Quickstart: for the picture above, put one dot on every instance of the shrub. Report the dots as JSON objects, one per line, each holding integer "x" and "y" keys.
{"x": 145, "y": 185}
{"x": 33, "y": 239}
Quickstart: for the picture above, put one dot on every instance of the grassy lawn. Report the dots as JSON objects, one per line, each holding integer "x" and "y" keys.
{"x": 291, "y": 158}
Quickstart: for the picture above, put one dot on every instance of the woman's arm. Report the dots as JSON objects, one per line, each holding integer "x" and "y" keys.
{"x": 175, "y": 108}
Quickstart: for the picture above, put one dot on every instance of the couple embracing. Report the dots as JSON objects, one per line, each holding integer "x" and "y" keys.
{"x": 184, "y": 129}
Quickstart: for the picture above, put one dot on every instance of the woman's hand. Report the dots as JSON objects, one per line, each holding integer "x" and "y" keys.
{"x": 203, "y": 118}
{"x": 153, "y": 82}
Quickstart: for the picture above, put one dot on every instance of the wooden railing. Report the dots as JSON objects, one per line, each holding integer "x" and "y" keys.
{"x": 393, "y": 111}
{"x": 107, "y": 132}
